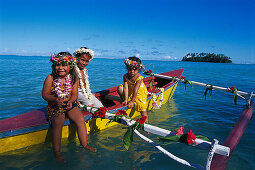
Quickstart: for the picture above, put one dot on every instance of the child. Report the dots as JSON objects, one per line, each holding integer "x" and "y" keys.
{"x": 60, "y": 90}
{"x": 134, "y": 89}
{"x": 85, "y": 97}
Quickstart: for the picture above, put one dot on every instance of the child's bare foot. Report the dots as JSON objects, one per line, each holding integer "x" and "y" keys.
{"x": 59, "y": 157}
{"x": 90, "y": 148}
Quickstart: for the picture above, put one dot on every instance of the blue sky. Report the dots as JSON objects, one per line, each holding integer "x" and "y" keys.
{"x": 161, "y": 30}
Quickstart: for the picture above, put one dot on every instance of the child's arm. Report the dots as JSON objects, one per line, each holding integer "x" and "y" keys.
{"x": 125, "y": 91}
{"x": 46, "y": 90}
{"x": 74, "y": 95}
{"x": 135, "y": 92}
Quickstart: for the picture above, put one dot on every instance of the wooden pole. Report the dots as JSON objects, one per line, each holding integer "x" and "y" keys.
{"x": 242, "y": 93}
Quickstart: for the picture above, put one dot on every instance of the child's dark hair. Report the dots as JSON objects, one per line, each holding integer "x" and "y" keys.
{"x": 71, "y": 72}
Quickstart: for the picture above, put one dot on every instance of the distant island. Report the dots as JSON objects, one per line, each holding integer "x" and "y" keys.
{"x": 206, "y": 57}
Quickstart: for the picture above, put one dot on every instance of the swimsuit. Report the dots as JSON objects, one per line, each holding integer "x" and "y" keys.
{"x": 54, "y": 111}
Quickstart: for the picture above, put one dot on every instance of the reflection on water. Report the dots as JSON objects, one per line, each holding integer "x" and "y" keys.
{"x": 20, "y": 90}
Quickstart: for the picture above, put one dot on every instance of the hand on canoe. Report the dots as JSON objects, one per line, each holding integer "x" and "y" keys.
{"x": 130, "y": 104}
{"x": 125, "y": 102}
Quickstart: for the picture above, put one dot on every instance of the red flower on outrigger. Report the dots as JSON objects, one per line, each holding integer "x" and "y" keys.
{"x": 101, "y": 112}
{"x": 141, "y": 120}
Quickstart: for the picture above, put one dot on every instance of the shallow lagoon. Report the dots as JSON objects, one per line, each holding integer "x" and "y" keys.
{"x": 20, "y": 88}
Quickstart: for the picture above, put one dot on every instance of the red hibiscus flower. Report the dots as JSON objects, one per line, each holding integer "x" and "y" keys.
{"x": 102, "y": 109}
{"x": 149, "y": 71}
{"x": 180, "y": 131}
{"x": 141, "y": 120}
{"x": 182, "y": 77}
{"x": 232, "y": 88}
{"x": 191, "y": 137}
{"x": 101, "y": 112}
{"x": 121, "y": 112}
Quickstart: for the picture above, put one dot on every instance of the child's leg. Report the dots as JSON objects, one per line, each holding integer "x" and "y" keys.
{"x": 120, "y": 92}
{"x": 76, "y": 116}
{"x": 57, "y": 124}
{"x": 144, "y": 113}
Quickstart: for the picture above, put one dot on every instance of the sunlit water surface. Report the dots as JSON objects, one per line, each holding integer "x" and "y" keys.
{"x": 22, "y": 79}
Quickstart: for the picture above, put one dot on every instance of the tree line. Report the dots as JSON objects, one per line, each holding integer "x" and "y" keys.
{"x": 206, "y": 57}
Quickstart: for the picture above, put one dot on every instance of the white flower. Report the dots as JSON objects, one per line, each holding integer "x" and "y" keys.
{"x": 161, "y": 89}
{"x": 84, "y": 50}
{"x": 154, "y": 98}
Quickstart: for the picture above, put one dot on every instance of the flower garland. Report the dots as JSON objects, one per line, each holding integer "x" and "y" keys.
{"x": 83, "y": 50}
{"x": 154, "y": 98}
{"x": 134, "y": 64}
{"x": 147, "y": 72}
{"x": 85, "y": 89}
{"x": 57, "y": 58}
{"x": 63, "y": 92}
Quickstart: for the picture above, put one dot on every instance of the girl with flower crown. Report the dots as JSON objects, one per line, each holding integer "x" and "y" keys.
{"x": 85, "y": 97}
{"x": 134, "y": 91}
{"x": 60, "y": 90}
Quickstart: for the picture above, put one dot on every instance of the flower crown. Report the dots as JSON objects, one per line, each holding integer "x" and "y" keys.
{"x": 57, "y": 58}
{"x": 134, "y": 64}
{"x": 83, "y": 50}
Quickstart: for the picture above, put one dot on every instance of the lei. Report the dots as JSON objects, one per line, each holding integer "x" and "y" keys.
{"x": 84, "y": 51}
{"x": 85, "y": 90}
{"x": 63, "y": 92}
{"x": 154, "y": 98}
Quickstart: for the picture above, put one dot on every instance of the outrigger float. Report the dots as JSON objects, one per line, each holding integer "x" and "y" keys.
{"x": 33, "y": 128}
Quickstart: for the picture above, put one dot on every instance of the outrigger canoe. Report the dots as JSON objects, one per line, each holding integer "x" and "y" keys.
{"x": 33, "y": 128}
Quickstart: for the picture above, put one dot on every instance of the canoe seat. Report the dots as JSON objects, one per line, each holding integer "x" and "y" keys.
{"x": 112, "y": 97}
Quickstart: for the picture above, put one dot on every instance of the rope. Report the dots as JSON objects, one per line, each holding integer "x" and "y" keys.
{"x": 249, "y": 100}
{"x": 211, "y": 153}
{"x": 182, "y": 161}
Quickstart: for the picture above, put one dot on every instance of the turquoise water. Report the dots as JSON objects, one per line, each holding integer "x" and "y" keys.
{"x": 20, "y": 88}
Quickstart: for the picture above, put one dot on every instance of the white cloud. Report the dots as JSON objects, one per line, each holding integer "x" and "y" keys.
{"x": 98, "y": 54}
{"x": 137, "y": 55}
{"x": 170, "y": 58}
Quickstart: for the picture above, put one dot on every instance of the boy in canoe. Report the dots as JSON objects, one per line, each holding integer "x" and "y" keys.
{"x": 85, "y": 97}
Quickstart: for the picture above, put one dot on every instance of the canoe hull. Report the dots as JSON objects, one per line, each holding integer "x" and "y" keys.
{"x": 16, "y": 138}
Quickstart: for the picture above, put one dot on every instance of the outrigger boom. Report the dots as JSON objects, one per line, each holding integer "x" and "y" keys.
{"x": 213, "y": 147}
{"x": 201, "y": 144}
{"x": 242, "y": 93}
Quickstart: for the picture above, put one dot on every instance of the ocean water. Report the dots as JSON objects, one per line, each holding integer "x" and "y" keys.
{"x": 21, "y": 83}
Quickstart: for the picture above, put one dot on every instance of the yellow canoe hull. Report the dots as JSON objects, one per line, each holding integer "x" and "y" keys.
{"x": 69, "y": 131}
